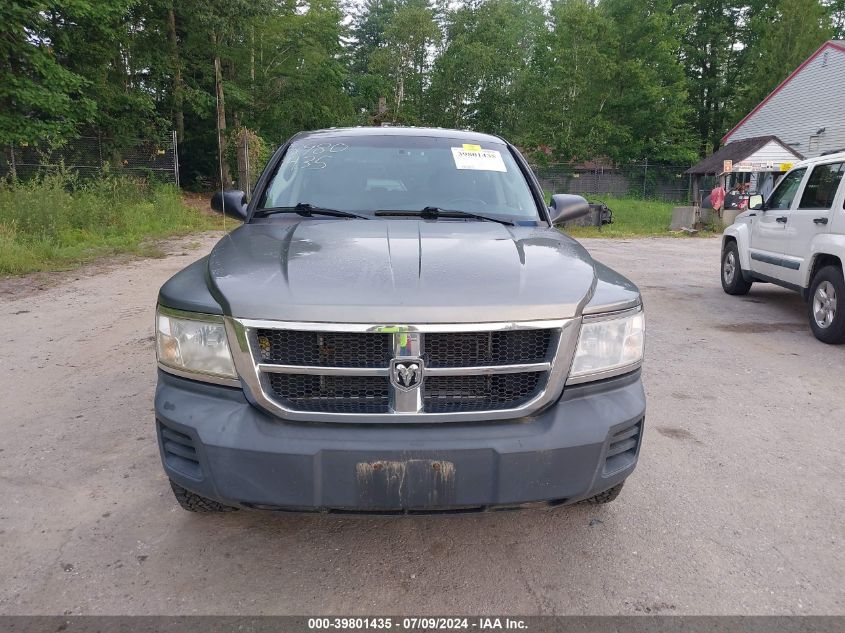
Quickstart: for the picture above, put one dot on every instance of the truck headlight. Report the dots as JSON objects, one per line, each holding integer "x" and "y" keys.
{"x": 608, "y": 345}
{"x": 194, "y": 343}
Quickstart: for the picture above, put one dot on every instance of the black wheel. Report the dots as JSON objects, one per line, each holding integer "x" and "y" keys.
{"x": 732, "y": 280}
{"x": 193, "y": 502}
{"x": 826, "y": 306}
{"x": 605, "y": 497}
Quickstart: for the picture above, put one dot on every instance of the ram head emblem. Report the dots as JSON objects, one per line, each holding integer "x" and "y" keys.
{"x": 406, "y": 374}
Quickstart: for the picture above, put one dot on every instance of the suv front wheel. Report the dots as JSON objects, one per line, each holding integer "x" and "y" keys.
{"x": 732, "y": 280}
{"x": 827, "y": 305}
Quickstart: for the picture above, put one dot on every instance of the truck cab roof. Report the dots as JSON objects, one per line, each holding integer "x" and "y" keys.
{"x": 435, "y": 132}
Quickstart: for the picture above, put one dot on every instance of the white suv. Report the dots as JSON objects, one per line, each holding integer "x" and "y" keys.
{"x": 796, "y": 239}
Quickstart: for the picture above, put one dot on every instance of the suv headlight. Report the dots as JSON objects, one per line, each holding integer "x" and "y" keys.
{"x": 193, "y": 343}
{"x": 608, "y": 345}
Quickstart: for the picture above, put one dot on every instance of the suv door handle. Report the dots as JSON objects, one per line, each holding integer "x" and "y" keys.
{"x": 820, "y": 220}
{"x": 781, "y": 219}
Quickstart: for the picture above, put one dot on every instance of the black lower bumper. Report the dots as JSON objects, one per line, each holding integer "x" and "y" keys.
{"x": 215, "y": 443}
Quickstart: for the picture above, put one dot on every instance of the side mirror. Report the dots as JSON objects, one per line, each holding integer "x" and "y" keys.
{"x": 566, "y": 207}
{"x": 231, "y": 202}
{"x": 756, "y": 203}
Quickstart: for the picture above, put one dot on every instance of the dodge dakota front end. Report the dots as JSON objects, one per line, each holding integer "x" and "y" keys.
{"x": 398, "y": 327}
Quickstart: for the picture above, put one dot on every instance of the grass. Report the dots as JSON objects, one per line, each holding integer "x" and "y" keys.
{"x": 57, "y": 224}
{"x": 632, "y": 217}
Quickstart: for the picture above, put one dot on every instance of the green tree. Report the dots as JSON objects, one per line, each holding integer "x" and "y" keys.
{"x": 369, "y": 23}
{"x": 40, "y": 98}
{"x": 299, "y": 71}
{"x": 617, "y": 79}
{"x": 837, "y": 14}
{"x": 403, "y": 60}
{"x": 710, "y": 47}
{"x": 478, "y": 77}
{"x": 102, "y": 45}
{"x": 569, "y": 82}
{"x": 648, "y": 108}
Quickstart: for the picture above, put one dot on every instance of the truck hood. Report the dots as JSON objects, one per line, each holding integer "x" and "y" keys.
{"x": 399, "y": 271}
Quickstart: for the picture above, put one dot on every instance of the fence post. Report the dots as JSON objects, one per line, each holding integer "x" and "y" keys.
{"x": 12, "y": 165}
{"x": 175, "y": 157}
{"x": 645, "y": 176}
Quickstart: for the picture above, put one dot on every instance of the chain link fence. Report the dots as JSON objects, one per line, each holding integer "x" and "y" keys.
{"x": 643, "y": 180}
{"x": 91, "y": 157}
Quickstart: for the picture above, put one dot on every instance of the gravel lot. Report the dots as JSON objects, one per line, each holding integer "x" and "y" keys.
{"x": 737, "y": 505}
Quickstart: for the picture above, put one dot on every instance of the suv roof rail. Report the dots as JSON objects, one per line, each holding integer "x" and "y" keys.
{"x": 832, "y": 151}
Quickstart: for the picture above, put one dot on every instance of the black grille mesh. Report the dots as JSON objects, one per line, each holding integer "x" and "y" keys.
{"x": 448, "y": 394}
{"x": 331, "y": 394}
{"x": 466, "y": 349}
{"x": 323, "y": 349}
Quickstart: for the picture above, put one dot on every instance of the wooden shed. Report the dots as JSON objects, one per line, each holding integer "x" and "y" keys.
{"x": 758, "y": 161}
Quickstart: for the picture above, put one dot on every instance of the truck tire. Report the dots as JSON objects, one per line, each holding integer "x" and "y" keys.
{"x": 826, "y": 305}
{"x": 732, "y": 280}
{"x": 605, "y": 497}
{"x": 192, "y": 502}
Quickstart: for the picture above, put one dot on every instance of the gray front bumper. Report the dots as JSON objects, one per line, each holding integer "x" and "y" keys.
{"x": 215, "y": 443}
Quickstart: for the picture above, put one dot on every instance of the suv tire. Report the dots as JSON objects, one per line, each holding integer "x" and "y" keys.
{"x": 732, "y": 280}
{"x": 192, "y": 502}
{"x": 605, "y": 497}
{"x": 826, "y": 305}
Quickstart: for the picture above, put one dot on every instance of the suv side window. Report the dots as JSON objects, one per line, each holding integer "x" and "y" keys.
{"x": 783, "y": 196}
{"x": 821, "y": 186}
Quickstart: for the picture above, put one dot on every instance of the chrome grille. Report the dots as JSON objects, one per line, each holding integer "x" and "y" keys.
{"x": 342, "y": 372}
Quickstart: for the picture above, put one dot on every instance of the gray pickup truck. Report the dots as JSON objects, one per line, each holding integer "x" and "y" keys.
{"x": 398, "y": 327}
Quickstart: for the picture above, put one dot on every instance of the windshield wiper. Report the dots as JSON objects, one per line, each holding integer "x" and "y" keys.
{"x": 434, "y": 213}
{"x": 307, "y": 210}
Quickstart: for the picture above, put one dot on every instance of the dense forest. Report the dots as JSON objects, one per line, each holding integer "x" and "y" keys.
{"x": 612, "y": 80}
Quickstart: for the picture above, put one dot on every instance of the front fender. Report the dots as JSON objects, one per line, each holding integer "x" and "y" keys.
{"x": 188, "y": 290}
{"x": 740, "y": 232}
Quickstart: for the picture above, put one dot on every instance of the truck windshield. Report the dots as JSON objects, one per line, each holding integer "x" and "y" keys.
{"x": 365, "y": 175}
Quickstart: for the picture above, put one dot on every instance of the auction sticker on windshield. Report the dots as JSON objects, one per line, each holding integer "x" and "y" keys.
{"x": 474, "y": 157}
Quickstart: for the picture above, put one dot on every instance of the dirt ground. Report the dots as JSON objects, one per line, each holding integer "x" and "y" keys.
{"x": 737, "y": 506}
